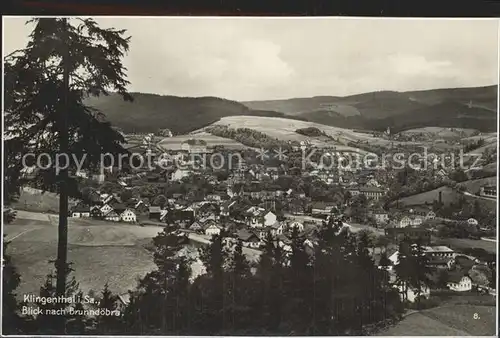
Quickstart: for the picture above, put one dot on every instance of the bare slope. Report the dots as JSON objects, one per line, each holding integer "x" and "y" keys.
{"x": 285, "y": 129}
{"x": 150, "y": 112}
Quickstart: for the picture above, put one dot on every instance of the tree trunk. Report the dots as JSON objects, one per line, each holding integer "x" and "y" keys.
{"x": 62, "y": 245}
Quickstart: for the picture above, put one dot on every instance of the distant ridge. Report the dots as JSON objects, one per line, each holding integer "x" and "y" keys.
{"x": 446, "y": 107}
{"x": 475, "y": 107}
{"x": 152, "y": 112}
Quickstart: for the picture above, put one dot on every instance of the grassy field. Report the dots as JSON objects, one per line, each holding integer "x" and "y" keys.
{"x": 100, "y": 253}
{"x": 473, "y": 186}
{"x": 465, "y": 243}
{"x": 440, "y": 132}
{"x": 284, "y": 129}
{"x": 448, "y": 196}
{"x": 487, "y": 137}
{"x": 456, "y": 320}
{"x": 418, "y": 324}
{"x": 461, "y": 317}
{"x": 34, "y": 200}
{"x": 480, "y": 150}
{"x": 174, "y": 143}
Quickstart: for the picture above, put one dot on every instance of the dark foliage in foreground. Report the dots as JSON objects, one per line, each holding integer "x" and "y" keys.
{"x": 334, "y": 289}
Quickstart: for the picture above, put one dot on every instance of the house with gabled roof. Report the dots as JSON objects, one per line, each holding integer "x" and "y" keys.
{"x": 226, "y": 207}
{"x": 276, "y": 229}
{"x": 155, "y": 212}
{"x": 105, "y": 209}
{"x": 141, "y": 207}
{"x": 404, "y": 222}
{"x": 284, "y": 243}
{"x": 259, "y": 217}
{"x": 322, "y": 208}
{"x": 371, "y": 192}
{"x": 213, "y": 197}
{"x": 96, "y": 213}
{"x": 129, "y": 216}
{"x": 416, "y": 220}
{"x": 381, "y": 216}
{"x": 119, "y": 208}
{"x": 212, "y": 228}
{"x": 80, "y": 211}
{"x": 248, "y": 238}
{"x": 294, "y": 224}
{"x": 472, "y": 222}
{"x": 459, "y": 281}
{"x": 163, "y": 215}
{"x": 196, "y": 226}
{"x": 112, "y": 216}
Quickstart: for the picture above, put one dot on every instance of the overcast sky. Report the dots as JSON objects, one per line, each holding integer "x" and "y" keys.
{"x": 259, "y": 59}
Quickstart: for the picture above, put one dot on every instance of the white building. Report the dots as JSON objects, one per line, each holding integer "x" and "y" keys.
{"x": 128, "y": 216}
{"x": 276, "y": 229}
{"x": 416, "y": 220}
{"x": 258, "y": 217}
{"x": 461, "y": 283}
{"x": 295, "y": 224}
{"x": 112, "y": 216}
{"x": 106, "y": 208}
{"x": 212, "y": 229}
{"x": 404, "y": 222}
{"x": 412, "y": 293}
{"x": 80, "y": 211}
{"x": 99, "y": 177}
{"x": 472, "y": 222}
{"x": 179, "y": 174}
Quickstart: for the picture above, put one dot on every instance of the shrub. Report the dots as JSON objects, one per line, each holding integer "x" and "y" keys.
{"x": 422, "y": 303}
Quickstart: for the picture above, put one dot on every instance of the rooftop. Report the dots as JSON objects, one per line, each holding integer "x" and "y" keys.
{"x": 245, "y": 235}
{"x": 155, "y": 209}
{"x": 439, "y": 248}
{"x": 370, "y": 189}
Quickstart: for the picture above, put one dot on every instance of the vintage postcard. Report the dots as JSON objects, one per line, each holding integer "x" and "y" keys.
{"x": 236, "y": 176}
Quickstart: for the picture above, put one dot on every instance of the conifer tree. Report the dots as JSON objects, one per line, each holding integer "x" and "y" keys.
{"x": 105, "y": 323}
{"x": 420, "y": 268}
{"x": 239, "y": 289}
{"x": 10, "y": 307}
{"x": 46, "y": 84}
{"x": 299, "y": 286}
{"x": 403, "y": 268}
{"x": 384, "y": 260}
{"x": 157, "y": 298}
{"x": 215, "y": 260}
{"x": 73, "y": 323}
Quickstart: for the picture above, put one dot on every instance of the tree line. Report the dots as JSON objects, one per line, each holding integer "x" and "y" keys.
{"x": 334, "y": 288}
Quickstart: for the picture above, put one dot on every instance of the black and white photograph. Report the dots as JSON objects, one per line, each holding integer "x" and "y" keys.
{"x": 249, "y": 176}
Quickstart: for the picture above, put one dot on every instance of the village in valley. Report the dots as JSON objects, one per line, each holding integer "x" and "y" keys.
{"x": 255, "y": 197}
{"x": 371, "y": 212}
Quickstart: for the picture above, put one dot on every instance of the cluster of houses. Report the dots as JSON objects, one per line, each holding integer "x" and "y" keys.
{"x": 208, "y": 217}
{"x": 252, "y": 230}
{"x": 488, "y": 191}
{"x": 106, "y": 207}
{"x": 439, "y": 258}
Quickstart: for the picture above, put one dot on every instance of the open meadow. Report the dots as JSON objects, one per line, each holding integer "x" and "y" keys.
{"x": 448, "y": 195}
{"x": 473, "y": 186}
{"x": 440, "y": 132}
{"x": 175, "y": 143}
{"x": 285, "y": 129}
{"x": 34, "y": 200}
{"x": 100, "y": 252}
{"x": 456, "y": 320}
{"x": 467, "y": 243}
